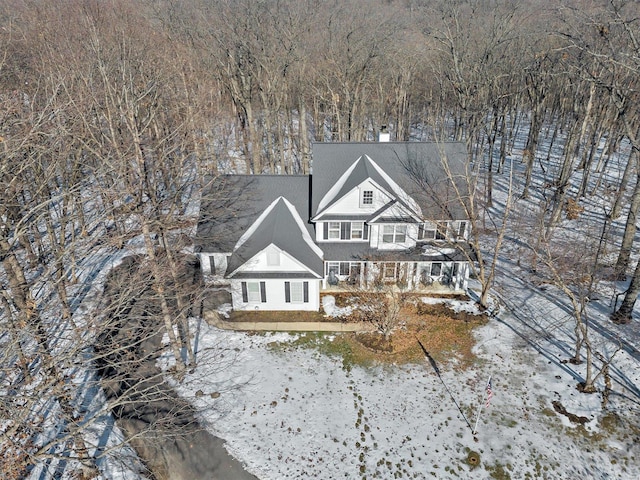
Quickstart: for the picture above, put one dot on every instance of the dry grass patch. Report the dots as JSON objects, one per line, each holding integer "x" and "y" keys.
{"x": 277, "y": 316}
{"x": 445, "y": 334}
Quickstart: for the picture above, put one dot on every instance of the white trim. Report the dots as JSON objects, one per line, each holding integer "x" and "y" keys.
{"x": 242, "y": 268}
{"x": 395, "y": 203}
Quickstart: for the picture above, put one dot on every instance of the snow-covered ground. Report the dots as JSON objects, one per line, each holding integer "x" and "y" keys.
{"x": 292, "y": 412}
{"x": 289, "y": 411}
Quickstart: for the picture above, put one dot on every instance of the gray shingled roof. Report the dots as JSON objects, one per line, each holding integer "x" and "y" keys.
{"x": 362, "y": 252}
{"x": 414, "y": 166}
{"x": 281, "y": 229}
{"x": 361, "y": 172}
{"x": 232, "y": 203}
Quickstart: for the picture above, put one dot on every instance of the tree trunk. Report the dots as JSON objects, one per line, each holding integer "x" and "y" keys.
{"x": 629, "y": 233}
{"x": 531, "y": 148}
{"x": 628, "y": 169}
{"x": 625, "y": 312}
{"x": 303, "y": 136}
{"x": 159, "y": 289}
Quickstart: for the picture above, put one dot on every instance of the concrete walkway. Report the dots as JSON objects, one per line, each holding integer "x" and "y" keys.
{"x": 213, "y": 318}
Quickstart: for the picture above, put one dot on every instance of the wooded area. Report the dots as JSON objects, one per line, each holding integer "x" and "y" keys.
{"x": 113, "y": 112}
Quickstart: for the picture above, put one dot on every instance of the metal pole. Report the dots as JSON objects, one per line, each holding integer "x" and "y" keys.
{"x": 475, "y": 428}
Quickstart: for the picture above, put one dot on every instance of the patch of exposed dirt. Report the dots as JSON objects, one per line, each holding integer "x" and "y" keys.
{"x": 573, "y": 418}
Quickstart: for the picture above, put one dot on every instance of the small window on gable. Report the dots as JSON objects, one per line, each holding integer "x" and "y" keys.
{"x": 273, "y": 258}
{"x": 367, "y": 197}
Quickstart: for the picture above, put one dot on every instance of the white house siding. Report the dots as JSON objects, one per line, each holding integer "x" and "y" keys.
{"x": 274, "y": 290}
{"x": 220, "y": 263}
{"x": 260, "y": 262}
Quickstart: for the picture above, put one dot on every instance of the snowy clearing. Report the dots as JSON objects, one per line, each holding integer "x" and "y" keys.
{"x": 292, "y": 412}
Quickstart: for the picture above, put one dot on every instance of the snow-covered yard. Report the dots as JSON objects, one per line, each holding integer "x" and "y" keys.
{"x": 293, "y": 412}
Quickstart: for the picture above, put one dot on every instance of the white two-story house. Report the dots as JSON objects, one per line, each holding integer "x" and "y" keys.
{"x": 370, "y": 215}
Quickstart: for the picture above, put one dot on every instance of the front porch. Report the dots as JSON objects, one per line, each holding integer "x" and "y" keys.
{"x": 427, "y": 277}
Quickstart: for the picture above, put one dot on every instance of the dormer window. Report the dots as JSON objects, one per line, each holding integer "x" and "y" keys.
{"x": 367, "y": 197}
{"x": 394, "y": 233}
{"x": 273, "y": 258}
{"x": 334, "y": 230}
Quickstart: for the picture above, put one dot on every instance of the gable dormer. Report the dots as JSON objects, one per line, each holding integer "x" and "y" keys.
{"x": 278, "y": 233}
{"x": 363, "y": 188}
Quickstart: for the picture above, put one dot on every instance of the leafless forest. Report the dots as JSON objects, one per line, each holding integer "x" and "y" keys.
{"x": 112, "y": 112}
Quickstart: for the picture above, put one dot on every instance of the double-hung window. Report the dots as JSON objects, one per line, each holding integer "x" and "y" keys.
{"x": 357, "y": 230}
{"x": 394, "y": 233}
{"x": 254, "y": 292}
{"x": 296, "y": 292}
{"x": 428, "y": 231}
{"x": 345, "y": 230}
{"x": 334, "y": 230}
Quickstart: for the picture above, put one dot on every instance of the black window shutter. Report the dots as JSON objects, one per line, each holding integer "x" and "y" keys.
{"x": 212, "y": 264}
{"x": 305, "y": 287}
{"x": 365, "y": 234}
{"x": 245, "y": 295}
{"x": 345, "y": 231}
{"x": 263, "y": 292}
{"x": 326, "y": 230}
{"x": 421, "y": 232}
{"x": 287, "y": 292}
